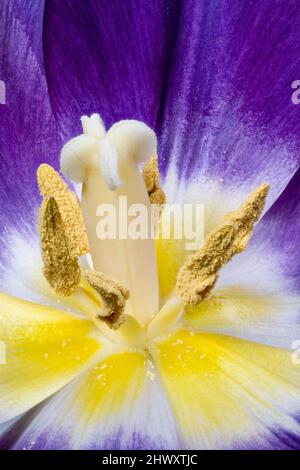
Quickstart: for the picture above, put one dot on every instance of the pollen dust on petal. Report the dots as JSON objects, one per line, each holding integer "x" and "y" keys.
{"x": 61, "y": 268}
{"x": 113, "y": 295}
{"x": 199, "y": 273}
{"x": 52, "y": 185}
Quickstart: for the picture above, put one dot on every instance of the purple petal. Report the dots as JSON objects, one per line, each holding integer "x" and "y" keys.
{"x": 28, "y": 132}
{"x": 108, "y": 57}
{"x": 279, "y": 439}
{"x": 278, "y": 233}
{"x": 228, "y": 111}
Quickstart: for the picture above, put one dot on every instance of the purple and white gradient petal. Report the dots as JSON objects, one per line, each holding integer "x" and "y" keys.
{"x": 213, "y": 78}
{"x": 28, "y": 131}
{"x": 227, "y": 111}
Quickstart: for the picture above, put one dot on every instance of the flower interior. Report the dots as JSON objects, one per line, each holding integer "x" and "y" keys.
{"x": 120, "y": 290}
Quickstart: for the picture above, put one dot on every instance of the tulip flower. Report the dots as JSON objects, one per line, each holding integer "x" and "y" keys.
{"x": 142, "y": 344}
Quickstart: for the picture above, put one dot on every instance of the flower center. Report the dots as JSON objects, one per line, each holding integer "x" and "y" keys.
{"x": 120, "y": 292}
{"x": 131, "y": 333}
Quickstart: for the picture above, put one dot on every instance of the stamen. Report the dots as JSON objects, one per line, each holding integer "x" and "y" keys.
{"x": 199, "y": 273}
{"x": 61, "y": 268}
{"x": 113, "y": 295}
{"x": 52, "y": 185}
{"x": 152, "y": 181}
